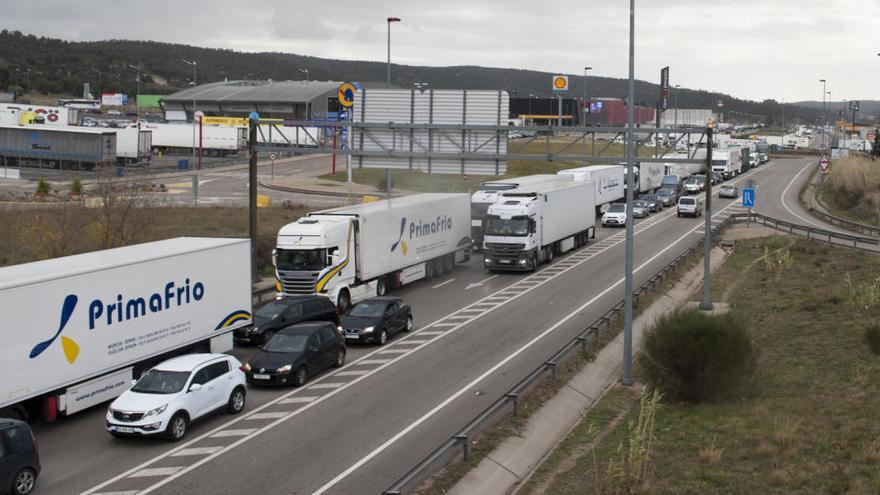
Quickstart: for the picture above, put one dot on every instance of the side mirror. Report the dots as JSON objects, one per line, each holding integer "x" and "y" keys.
{"x": 195, "y": 387}
{"x": 313, "y": 347}
{"x": 133, "y": 383}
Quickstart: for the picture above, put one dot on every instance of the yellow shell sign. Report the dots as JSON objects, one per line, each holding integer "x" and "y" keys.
{"x": 560, "y": 83}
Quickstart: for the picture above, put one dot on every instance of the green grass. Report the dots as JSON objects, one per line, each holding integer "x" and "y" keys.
{"x": 807, "y": 421}
{"x": 418, "y": 181}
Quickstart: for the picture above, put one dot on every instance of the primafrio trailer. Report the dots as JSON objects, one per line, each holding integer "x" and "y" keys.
{"x": 609, "y": 181}
{"x": 488, "y": 193}
{"x": 77, "y": 330}
{"x": 353, "y": 252}
{"x": 531, "y": 225}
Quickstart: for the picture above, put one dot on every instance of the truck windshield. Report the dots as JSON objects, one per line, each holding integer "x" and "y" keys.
{"x": 161, "y": 382}
{"x": 478, "y": 210}
{"x": 301, "y": 260}
{"x": 719, "y": 162}
{"x": 516, "y": 226}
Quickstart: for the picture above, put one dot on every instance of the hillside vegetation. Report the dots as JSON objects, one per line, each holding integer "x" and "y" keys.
{"x": 853, "y": 189}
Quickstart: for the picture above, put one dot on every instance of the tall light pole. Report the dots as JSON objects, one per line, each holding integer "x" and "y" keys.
{"x": 390, "y": 20}
{"x": 194, "y": 65}
{"x": 783, "y": 120}
{"x": 675, "y": 112}
{"x": 586, "y": 101}
{"x": 822, "y": 118}
{"x": 630, "y": 164}
{"x": 531, "y": 95}
{"x": 306, "y": 71}
{"x": 137, "y": 101}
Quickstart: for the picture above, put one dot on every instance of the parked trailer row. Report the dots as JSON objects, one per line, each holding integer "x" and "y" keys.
{"x": 79, "y": 329}
{"x": 213, "y": 140}
{"x": 58, "y": 147}
{"x": 21, "y": 113}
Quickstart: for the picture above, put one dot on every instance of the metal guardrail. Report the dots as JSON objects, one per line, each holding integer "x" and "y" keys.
{"x": 462, "y": 437}
{"x": 858, "y": 242}
{"x": 836, "y": 220}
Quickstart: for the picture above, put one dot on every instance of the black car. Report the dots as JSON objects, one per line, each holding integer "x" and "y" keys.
{"x": 376, "y": 319}
{"x": 653, "y": 201}
{"x": 717, "y": 178}
{"x": 295, "y": 353}
{"x": 668, "y": 197}
{"x": 19, "y": 457}
{"x": 281, "y": 313}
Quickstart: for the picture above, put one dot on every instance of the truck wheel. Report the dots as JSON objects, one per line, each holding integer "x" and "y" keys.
{"x": 551, "y": 253}
{"x": 343, "y": 301}
{"x": 236, "y": 401}
{"x": 448, "y": 263}
{"x": 381, "y": 286}
{"x": 429, "y": 270}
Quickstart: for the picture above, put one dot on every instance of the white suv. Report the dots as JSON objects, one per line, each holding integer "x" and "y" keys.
{"x": 176, "y": 392}
{"x": 615, "y": 215}
{"x": 689, "y": 205}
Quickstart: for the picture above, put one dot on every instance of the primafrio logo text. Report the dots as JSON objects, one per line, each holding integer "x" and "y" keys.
{"x": 421, "y": 229}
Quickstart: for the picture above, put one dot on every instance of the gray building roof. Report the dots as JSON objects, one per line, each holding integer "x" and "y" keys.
{"x": 255, "y": 91}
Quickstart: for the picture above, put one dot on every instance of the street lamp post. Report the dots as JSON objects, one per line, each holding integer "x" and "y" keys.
{"x": 586, "y": 101}
{"x": 137, "y": 101}
{"x": 822, "y": 118}
{"x": 675, "y": 112}
{"x": 531, "y": 95}
{"x": 306, "y": 71}
{"x": 390, "y": 20}
{"x": 194, "y": 65}
{"x": 630, "y": 163}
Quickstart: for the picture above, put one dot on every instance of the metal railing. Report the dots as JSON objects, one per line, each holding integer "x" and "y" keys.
{"x": 858, "y": 242}
{"x": 821, "y": 214}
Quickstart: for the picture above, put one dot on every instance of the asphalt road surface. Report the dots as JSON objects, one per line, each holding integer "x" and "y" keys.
{"x": 357, "y": 429}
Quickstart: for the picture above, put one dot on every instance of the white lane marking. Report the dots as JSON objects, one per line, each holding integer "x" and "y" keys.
{"x": 326, "y": 385}
{"x": 299, "y": 400}
{"x": 444, "y": 324}
{"x": 411, "y": 342}
{"x": 198, "y": 450}
{"x": 267, "y": 415}
{"x": 395, "y": 351}
{"x": 234, "y": 433}
{"x": 431, "y": 332}
{"x": 378, "y": 450}
{"x": 443, "y": 283}
{"x": 162, "y": 471}
{"x": 606, "y": 244}
{"x": 352, "y": 373}
{"x": 478, "y": 284}
{"x": 125, "y": 492}
{"x": 785, "y": 191}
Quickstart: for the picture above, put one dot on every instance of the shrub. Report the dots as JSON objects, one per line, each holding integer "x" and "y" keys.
{"x": 43, "y": 186}
{"x": 872, "y": 337}
{"x": 76, "y": 186}
{"x": 693, "y": 356}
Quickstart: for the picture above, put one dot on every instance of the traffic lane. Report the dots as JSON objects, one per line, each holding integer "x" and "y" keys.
{"x": 425, "y": 376}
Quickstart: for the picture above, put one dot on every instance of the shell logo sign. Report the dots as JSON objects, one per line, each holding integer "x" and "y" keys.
{"x": 560, "y": 83}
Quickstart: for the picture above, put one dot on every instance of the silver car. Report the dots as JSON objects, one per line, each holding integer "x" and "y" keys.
{"x": 641, "y": 209}
{"x": 728, "y": 191}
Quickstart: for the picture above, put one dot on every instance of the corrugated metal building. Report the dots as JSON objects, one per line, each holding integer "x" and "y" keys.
{"x": 297, "y": 100}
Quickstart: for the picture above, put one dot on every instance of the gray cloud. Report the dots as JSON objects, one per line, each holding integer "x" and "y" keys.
{"x": 749, "y": 48}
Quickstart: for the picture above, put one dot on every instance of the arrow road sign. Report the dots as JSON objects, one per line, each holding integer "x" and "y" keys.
{"x": 748, "y": 198}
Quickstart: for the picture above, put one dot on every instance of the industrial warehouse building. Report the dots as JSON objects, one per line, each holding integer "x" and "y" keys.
{"x": 609, "y": 112}
{"x": 292, "y": 100}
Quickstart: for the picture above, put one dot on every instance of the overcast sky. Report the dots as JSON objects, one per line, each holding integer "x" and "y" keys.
{"x": 753, "y": 49}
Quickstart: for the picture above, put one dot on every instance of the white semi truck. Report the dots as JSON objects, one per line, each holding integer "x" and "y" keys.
{"x": 354, "y": 252}
{"x": 531, "y": 225}
{"x": 488, "y": 192}
{"x": 609, "y": 181}
{"x": 79, "y": 329}
{"x": 727, "y": 162}
{"x": 214, "y": 140}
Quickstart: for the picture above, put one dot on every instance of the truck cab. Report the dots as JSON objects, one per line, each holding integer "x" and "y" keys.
{"x": 511, "y": 236}
{"x": 488, "y": 193}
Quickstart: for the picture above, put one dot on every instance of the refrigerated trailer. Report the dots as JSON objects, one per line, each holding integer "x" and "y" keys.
{"x": 133, "y": 145}
{"x": 727, "y": 162}
{"x": 608, "y": 180}
{"x": 488, "y": 192}
{"x": 532, "y": 224}
{"x": 57, "y": 147}
{"x": 353, "y": 252}
{"x": 77, "y": 330}
{"x": 213, "y": 140}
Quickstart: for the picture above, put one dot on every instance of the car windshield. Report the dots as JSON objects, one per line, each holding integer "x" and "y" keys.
{"x": 368, "y": 309}
{"x": 301, "y": 260}
{"x": 664, "y": 192}
{"x": 727, "y": 187}
{"x": 640, "y": 204}
{"x": 617, "y": 208}
{"x": 161, "y": 382}
{"x": 286, "y": 342}
{"x": 516, "y": 226}
{"x": 271, "y": 310}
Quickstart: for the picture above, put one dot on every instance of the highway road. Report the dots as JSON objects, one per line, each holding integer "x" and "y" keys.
{"x": 357, "y": 429}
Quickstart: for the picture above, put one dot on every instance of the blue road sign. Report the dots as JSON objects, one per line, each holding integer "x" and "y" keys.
{"x": 748, "y": 198}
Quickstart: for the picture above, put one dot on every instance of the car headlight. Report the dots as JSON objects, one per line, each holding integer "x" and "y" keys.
{"x": 368, "y": 330}
{"x": 246, "y": 367}
{"x": 155, "y": 412}
{"x": 255, "y": 329}
{"x": 284, "y": 369}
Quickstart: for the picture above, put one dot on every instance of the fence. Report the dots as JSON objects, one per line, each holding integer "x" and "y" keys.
{"x": 857, "y": 242}
{"x": 818, "y": 212}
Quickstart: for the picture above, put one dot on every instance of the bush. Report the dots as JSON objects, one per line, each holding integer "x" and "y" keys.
{"x": 694, "y": 356}
{"x": 872, "y": 337}
{"x": 76, "y": 186}
{"x": 43, "y": 186}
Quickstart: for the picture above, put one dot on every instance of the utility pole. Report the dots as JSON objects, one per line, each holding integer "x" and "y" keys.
{"x": 252, "y": 190}
{"x": 706, "y": 303}
{"x": 586, "y": 101}
{"x": 388, "y": 171}
{"x": 822, "y": 118}
{"x": 630, "y": 164}
{"x": 137, "y": 100}
{"x": 195, "y": 83}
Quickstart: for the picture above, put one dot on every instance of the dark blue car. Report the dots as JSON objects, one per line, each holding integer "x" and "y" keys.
{"x": 19, "y": 458}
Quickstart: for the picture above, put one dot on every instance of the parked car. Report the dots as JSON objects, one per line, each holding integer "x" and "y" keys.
{"x": 690, "y": 206}
{"x": 641, "y": 209}
{"x": 376, "y": 319}
{"x": 728, "y": 191}
{"x": 654, "y": 203}
{"x": 668, "y": 197}
{"x": 615, "y": 215}
{"x": 296, "y": 353}
{"x": 19, "y": 457}
{"x": 173, "y": 394}
{"x": 281, "y": 313}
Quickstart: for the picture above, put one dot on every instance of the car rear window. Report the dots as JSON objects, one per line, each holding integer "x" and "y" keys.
{"x": 687, "y": 201}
